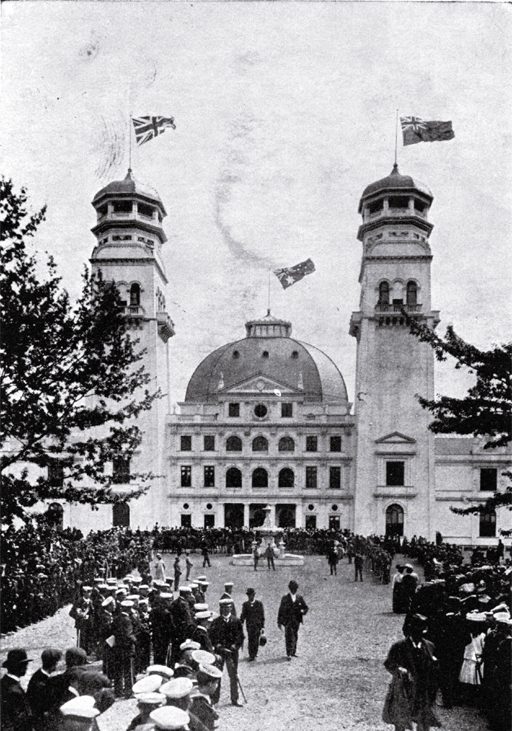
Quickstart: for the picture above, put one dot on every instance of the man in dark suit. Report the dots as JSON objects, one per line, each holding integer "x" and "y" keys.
{"x": 123, "y": 650}
{"x": 227, "y": 636}
{"x": 291, "y": 611}
{"x": 16, "y": 713}
{"x": 253, "y": 614}
{"x": 39, "y": 694}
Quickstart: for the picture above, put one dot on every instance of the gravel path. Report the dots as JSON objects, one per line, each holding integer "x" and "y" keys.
{"x": 337, "y": 682}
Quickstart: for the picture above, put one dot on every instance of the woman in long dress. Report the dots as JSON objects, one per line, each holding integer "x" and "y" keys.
{"x": 398, "y": 597}
{"x": 472, "y": 670}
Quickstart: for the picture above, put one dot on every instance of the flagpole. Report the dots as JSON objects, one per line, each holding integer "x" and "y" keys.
{"x": 130, "y": 140}
{"x": 268, "y": 302}
{"x": 396, "y": 138}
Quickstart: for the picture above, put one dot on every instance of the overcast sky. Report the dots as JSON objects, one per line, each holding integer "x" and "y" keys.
{"x": 284, "y": 113}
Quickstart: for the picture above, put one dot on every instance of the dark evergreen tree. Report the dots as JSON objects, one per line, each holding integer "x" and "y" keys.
{"x": 72, "y": 380}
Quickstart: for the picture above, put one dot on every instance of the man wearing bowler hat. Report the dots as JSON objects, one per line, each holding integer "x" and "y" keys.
{"x": 16, "y": 714}
{"x": 253, "y": 614}
{"x": 291, "y": 611}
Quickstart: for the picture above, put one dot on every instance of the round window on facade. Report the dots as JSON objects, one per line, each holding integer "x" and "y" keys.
{"x": 236, "y": 354}
{"x": 295, "y": 354}
{"x": 311, "y": 506}
{"x": 185, "y": 506}
{"x": 209, "y": 506}
{"x": 264, "y": 354}
{"x": 334, "y": 508}
{"x": 260, "y": 411}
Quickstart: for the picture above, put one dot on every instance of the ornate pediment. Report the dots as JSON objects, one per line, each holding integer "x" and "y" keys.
{"x": 260, "y": 384}
{"x": 395, "y": 438}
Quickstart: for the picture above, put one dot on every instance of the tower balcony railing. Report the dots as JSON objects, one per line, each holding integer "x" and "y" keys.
{"x": 134, "y": 311}
{"x": 386, "y": 307}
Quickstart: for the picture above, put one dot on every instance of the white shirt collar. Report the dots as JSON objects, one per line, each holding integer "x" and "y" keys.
{"x": 15, "y": 677}
{"x": 293, "y": 596}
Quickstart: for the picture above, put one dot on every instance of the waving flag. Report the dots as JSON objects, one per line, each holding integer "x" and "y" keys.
{"x": 289, "y": 276}
{"x": 148, "y": 127}
{"x": 416, "y": 130}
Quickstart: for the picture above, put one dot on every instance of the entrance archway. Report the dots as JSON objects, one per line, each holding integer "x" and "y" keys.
{"x": 121, "y": 515}
{"x": 394, "y": 520}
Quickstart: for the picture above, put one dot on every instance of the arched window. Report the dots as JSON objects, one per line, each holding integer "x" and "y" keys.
{"x": 260, "y": 477}
{"x": 394, "y": 520}
{"x": 286, "y": 444}
{"x": 55, "y": 515}
{"x": 384, "y": 293}
{"x": 135, "y": 295}
{"x": 233, "y": 444}
{"x": 121, "y": 515}
{"x": 412, "y": 293}
{"x": 260, "y": 444}
{"x": 286, "y": 477}
{"x": 233, "y": 477}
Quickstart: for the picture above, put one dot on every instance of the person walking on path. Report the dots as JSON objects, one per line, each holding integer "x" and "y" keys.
{"x": 269, "y": 555}
{"x": 177, "y": 573}
{"x": 206, "y": 556}
{"x": 412, "y": 691}
{"x": 227, "y": 636}
{"x": 332, "y": 558}
{"x": 189, "y": 565}
{"x": 290, "y": 616}
{"x": 253, "y": 614}
{"x": 159, "y": 568}
{"x": 358, "y": 566}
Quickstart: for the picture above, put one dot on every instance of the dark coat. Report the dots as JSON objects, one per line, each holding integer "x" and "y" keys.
{"x": 200, "y": 634}
{"x": 39, "y": 694}
{"x": 226, "y": 635}
{"x": 182, "y": 619}
{"x": 253, "y": 614}
{"x": 291, "y": 612}
{"x": 122, "y": 629}
{"x": 16, "y": 713}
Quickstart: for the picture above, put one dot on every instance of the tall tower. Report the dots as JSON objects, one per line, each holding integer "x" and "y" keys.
{"x": 128, "y": 251}
{"x": 394, "y": 483}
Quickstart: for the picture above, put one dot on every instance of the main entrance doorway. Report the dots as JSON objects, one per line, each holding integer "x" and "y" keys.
{"x": 394, "y": 520}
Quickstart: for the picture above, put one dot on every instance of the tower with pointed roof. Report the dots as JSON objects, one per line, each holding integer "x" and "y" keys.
{"x": 394, "y": 475}
{"x": 130, "y": 237}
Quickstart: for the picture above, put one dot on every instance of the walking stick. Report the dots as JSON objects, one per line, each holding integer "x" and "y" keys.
{"x": 241, "y": 689}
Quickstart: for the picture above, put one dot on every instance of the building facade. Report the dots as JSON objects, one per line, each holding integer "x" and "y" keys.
{"x": 267, "y": 419}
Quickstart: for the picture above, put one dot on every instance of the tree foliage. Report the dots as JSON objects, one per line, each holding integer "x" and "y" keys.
{"x": 485, "y": 411}
{"x": 72, "y": 380}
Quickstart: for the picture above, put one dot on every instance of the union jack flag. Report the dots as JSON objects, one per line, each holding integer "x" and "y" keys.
{"x": 148, "y": 127}
{"x": 415, "y": 129}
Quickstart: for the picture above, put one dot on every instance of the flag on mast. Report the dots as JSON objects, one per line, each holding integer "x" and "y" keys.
{"x": 415, "y": 129}
{"x": 290, "y": 275}
{"x": 146, "y": 128}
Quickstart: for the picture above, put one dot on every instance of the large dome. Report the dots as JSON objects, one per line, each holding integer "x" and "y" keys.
{"x": 268, "y": 350}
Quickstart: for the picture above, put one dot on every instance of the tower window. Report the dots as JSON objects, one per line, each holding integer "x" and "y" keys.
{"x": 145, "y": 210}
{"x": 375, "y": 206}
{"x": 102, "y": 211}
{"x": 287, "y": 410}
{"x": 233, "y": 477}
{"x": 209, "y": 443}
{"x": 311, "y": 444}
{"x": 186, "y": 476}
{"x": 488, "y": 479}
{"x": 412, "y": 293}
{"x": 395, "y": 474}
{"x": 121, "y": 471}
{"x": 419, "y": 206}
{"x": 286, "y": 444}
{"x": 384, "y": 293}
{"x": 135, "y": 295}
{"x": 234, "y": 409}
{"x": 335, "y": 478}
{"x": 398, "y": 201}
{"x": 123, "y": 206}
{"x": 209, "y": 476}
{"x": 311, "y": 476}
{"x": 260, "y": 477}
{"x": 260, "y": 444}
{"x": 186, "y": 443}
{"x": 335, "y": 444}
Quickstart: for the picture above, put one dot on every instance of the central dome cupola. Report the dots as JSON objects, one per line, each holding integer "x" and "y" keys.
{"x": 268, "y": 327}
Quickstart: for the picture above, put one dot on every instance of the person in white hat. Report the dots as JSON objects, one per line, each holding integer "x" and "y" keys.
{"x": 169, "y": 718}
{"x": 202, "y": 713}
{"x": 200, "y": 633}
{"x": 78, "y": 714}
{"x": 177, "y": 692}
{"x": 146, "y": 703}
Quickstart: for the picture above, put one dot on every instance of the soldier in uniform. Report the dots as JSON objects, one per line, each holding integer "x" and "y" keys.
{"x": 123, "y": 650}
{"x": 81, "y": 612}
{"x": 203, "y": 716}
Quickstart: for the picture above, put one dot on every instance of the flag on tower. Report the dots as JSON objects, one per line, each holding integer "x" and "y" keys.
{"x": 416, "y": 130}
{"x": 148, "y": 127}
{"x": 289, "y": 276}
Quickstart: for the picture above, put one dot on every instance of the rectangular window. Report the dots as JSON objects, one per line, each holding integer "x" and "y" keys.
{"x": 120, "y": 471}
{"x": 186, "y": 475}
{"x": 488, "y": 479}
{"x": 488, "y": 525}
{"x": 311, "y": 477}
{"x": 311, "y": 444}
{"x": 234, "y": 409}
{"x": 287, "y": 410}
{"x": 335, "y": 478}
{"x": 209, "y": 476}
{"x": 56, "y": 474}
{"x": 186, "y": 443}
{"x": 334, "y": 522}
{"x": 209, "y": 443}
{"x": 186, "y": 521}
{"x": 395, "y": 474}
{"x": 335, "y": 444}
{"x": 209, "y": 521}
{"x": 310, "y": 522}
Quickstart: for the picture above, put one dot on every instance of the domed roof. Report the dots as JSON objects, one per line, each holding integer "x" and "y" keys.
{"x": 128, "y": 187}
{"x": 396, "y": 181}
{"x": 277, "y": 356}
